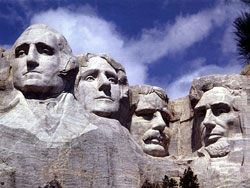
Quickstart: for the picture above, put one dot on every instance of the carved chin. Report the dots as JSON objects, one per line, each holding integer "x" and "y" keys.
{"x": 155, "y": 150}
{"x": 218, "y": 149}
{"x": 104, "y": 109}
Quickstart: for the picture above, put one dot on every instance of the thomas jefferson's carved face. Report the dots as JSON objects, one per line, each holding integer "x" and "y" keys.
{"x": 36, "y": 64}
{"x": 216, "y": 117}
{"x": 98, "y": 89}
{"x": 149, "y": 125}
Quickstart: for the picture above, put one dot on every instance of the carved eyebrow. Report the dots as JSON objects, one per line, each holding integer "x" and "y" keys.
{"x": 145, "y": 111}
{"x": 40, "y": 46}
{"x": 221, "y": 105}
{"x": 199, "y": 108}
{"x": 22, "y": 45}
{"x": 109, "y": 74}
{"x": 89, "y": 72}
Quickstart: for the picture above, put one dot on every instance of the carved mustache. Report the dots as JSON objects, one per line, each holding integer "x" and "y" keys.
{"x": 210, "y": 138}
{"x": 155, "y": 134}
{"x": 104, "y": 97}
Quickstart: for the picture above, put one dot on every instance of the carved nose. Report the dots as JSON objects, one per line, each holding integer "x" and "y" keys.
{"x": 158, "y": 123}
{"x": 104, "y": 84}
{"x": 32, "y": 58}
{"x": 209, "y": 120}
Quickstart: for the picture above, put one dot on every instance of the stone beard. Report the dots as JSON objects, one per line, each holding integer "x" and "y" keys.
{"x": 149, "y": 125}
{"x": 217, "y": 121}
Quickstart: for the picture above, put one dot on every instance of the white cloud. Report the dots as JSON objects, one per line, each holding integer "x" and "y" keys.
{"x": 228, "y": 43}
{"x": 87, "y": 32}
{"x": 181, "y": 86}
{"x": 197, "y": 63}
{"x": 90, "y": 33}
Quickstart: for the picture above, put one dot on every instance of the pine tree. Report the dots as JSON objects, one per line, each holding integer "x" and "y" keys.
{"x": 168, "y": 183}
{"x": 189, "y": 180}
{"x": 147, "y": 184}
{"x": 242, "y": 26}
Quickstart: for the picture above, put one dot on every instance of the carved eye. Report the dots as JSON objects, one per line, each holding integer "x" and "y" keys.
{"x": 21, "y": 53}
{"x": 220, "y": 111}
{"x": 201, "y": 114}
{"x": 44, "y": 49}
{"x": 21, "y": 50}
{"x": 112, "y": 80}
{"x": 111, "y": 77}
{"x": 148, "y": 116}
{"x": 90, "y": 78}
{"x": 166, "y": 117}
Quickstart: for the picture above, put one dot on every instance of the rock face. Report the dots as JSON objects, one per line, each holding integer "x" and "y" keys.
{"x": 73, "y": 121}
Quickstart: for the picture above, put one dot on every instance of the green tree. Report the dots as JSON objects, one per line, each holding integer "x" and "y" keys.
{"x": 189, "y": 180}
{"x": 242, "y": 26}
{"x": 168, "y": 183}
{"x": 246, "y": 1}
{"x": 147, "y": 184}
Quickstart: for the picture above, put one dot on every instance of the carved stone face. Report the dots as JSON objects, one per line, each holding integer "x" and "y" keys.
{"x": 36, "y": 64}
{"x": 216, "y": 117}
{"x": 149, "y": 125}
{"x": 98, "y": 88}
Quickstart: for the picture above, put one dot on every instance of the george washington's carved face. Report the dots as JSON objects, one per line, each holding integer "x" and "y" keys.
{"x": 36, "y": 64}
{"x": 149, "y": 125}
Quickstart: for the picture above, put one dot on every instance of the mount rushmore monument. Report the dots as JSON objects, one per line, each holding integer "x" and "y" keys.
{"x": 74, "y": 120}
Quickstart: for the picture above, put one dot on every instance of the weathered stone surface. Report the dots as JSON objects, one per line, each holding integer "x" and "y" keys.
{"x": 43, "y": 64}
{"x": 97, "y": 158}
{"x": 231, "y": 162}
{"x": 150, "y": 118}
{"x": 70, "y": 121}
{"x": 181, "y": 126}
{"x": 216, "y": 119}
{"x": 101, "y": 85}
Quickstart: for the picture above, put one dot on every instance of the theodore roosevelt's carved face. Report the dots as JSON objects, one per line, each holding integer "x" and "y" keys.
{"x": 99, "y": 89}
{"x": 37, "y": 62}
{"x": 216, "y": 117}
{"x": 149, "y": 125}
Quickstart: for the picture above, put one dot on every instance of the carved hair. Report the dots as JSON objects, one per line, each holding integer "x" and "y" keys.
{"x": 122, "y": 78}
{"x": 146, "y": 90}
{"x": 84, "y": 59}
{"x": 68, "y": 61}
{"x": 137, "y": 90}
{"x": 68, "y": 66}
{"x": 196, "y": 92}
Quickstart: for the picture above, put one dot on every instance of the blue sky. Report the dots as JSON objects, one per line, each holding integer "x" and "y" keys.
{"x": 166, "y": 43}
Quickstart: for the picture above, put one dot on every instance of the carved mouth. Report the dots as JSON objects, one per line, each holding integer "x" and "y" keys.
{"x": 104, "y": 98}
{"x": 154, "y": 139}
{"x": 31, "y": 72}
{"x": 212, "y": 135}
{"x": 212, "y": 138}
